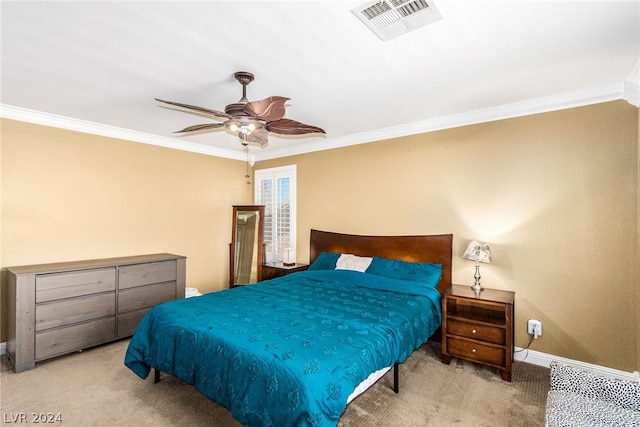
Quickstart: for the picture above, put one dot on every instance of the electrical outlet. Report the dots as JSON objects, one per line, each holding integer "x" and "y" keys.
{"x": 534, "y": 328}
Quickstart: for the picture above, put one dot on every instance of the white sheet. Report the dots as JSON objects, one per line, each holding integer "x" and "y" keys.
{"x": 364, "y": 385}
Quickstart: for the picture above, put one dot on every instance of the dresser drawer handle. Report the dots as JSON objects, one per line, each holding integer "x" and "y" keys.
{"x": 473, "y": 331}
{"x": 473, "y": 351}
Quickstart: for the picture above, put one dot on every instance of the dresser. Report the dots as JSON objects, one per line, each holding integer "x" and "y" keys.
{"x": 478, "y": 327}
{"x": 54, "y": 309}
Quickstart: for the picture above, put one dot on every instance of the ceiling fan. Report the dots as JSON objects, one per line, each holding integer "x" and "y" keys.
{"x": 251, "y": 121}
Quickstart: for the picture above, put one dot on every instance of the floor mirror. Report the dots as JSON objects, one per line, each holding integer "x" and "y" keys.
{"x": 246, "y": 248}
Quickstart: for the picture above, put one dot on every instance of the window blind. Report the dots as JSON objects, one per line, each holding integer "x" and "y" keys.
{"x": 275, "y": 189}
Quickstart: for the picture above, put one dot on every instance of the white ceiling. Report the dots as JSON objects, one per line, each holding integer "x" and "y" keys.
{"x": 97, "y": 66}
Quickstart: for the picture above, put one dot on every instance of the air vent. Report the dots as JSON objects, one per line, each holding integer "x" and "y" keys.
{"x": 390, "y": 18}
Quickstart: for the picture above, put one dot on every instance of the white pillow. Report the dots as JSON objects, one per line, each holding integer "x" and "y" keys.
{"x": 353, "y": 262}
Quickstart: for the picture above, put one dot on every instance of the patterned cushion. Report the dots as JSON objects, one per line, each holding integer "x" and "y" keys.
{"x": 565, "y": 409}
{"x": 581, "y": 398}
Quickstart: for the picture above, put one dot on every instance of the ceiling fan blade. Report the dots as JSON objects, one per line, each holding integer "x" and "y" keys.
{"x": 260, "y": 137}
{"x": 292, "y": 127}
{"x": 196, "y": 108}
{"x": 271, "y": 108}
{"x": 201, "y": 127}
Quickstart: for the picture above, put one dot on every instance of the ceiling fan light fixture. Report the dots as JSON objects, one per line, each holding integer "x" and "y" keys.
{"x": 242, "y": 126}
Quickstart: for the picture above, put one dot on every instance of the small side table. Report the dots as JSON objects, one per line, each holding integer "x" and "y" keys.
{"x": 271, "y": 270}
{"x": 478, "y": 327}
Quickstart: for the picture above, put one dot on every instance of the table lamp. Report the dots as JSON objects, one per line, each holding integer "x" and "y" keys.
{"x": 479, "y": 252}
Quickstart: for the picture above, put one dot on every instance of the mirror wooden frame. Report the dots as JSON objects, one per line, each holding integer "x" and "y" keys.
{"x": 235, "y": 247}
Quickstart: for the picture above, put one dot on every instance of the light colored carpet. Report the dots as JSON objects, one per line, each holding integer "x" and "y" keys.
{"x": 94, "y": 388}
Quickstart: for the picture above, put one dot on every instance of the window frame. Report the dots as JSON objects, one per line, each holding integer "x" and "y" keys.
{"x": 274, "y": 174}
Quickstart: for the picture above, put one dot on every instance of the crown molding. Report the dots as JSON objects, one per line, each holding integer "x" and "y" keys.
{"x": 93, "y": 128}
{"x": 501, "y": 112}
{"x": 632, "y": 85}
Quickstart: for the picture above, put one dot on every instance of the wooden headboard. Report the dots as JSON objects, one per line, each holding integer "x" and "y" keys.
{"x": 436, "y": 249}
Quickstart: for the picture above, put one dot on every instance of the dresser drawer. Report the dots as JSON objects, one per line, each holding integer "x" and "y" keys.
{"x": 146, "y": 274}
{"x": 74, "y": 310}
{"x": 56, "y": 286}
{"x": 492, "y": 334}
{"x": 476, "y": 351}
{"x": 145, "y": 296}
{"x": 71, "y": 338}
{"x": 128, "y": 322}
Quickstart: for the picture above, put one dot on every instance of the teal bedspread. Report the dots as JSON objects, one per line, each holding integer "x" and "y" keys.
{"x": 287, "y": 351}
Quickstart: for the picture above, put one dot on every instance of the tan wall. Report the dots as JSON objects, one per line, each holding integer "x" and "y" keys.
{"x": 555, "y": 194}
{"x": 71, "y": 196}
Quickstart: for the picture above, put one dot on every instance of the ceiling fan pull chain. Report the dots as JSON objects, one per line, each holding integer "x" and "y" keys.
{"x": 246, "y": 148}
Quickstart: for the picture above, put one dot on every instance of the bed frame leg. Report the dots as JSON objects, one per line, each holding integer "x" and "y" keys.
{"x": 156, "y": 375}
{"x": 396, "y": 382}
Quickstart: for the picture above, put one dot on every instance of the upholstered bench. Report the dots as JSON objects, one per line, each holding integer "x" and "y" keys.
{"x": 581, "y": 398}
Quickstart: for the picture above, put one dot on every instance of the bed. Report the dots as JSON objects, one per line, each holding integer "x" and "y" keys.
{"x": 293, "y": 351}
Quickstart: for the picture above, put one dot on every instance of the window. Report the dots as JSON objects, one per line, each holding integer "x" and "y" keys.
{"x": 276, "y": 190}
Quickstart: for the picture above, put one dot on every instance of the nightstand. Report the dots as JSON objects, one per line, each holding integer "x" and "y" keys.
{"x": 271, "y": 270}
{"x": 478, "y": 328}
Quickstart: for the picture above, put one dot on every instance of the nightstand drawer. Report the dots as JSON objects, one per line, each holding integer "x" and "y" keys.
{"x": 476, "y": 331}
{"x": 476, "y": 351}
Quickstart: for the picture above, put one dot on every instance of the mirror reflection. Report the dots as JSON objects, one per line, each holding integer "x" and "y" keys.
{"x": 246, "y": 245}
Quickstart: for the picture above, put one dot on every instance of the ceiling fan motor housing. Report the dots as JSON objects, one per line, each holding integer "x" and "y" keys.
{"x": 236, "y": 109}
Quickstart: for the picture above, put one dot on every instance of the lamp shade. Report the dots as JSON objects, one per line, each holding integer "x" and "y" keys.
{"x": 478, "y": 251}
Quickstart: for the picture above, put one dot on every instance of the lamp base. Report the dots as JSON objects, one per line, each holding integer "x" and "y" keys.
{"x": 476, "y": 286}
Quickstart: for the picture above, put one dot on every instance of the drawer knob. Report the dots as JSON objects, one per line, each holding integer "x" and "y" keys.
{"x": 473, "y": 331}
{"x": 473, "y": 351}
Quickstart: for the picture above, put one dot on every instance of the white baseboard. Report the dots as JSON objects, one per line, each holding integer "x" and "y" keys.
{"x": 533, "y": 357}
{"x": 544, "y": 359}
